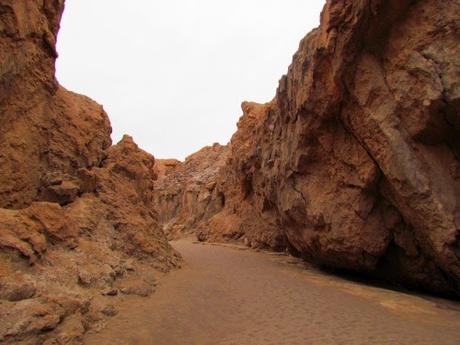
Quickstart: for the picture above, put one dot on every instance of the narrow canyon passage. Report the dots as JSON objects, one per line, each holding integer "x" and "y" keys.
{"x": 227, "y": 295}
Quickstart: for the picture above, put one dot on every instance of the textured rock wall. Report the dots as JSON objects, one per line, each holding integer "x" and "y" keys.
{"x": 355, "y": 163}
{"x": 366, "y": 121}
{"x": 44, "y": 127}
{"x": 185, "y": 193}
{"x": 76, "y": 219}
{"x": 247, "y": 216}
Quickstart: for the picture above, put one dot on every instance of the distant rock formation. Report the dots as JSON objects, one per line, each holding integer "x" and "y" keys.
{"x": 246, "y": 216}
{"x": 185, "y": 193}
{"x": 76, "y": 217}
{"x": 355, "y": 164}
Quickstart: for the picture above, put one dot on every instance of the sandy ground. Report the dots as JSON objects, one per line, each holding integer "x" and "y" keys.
{"x": 226, "y": 295}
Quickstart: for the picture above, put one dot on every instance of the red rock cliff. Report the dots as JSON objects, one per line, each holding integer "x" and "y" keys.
{"x": 186, "y": 193}
{"x": 75, "y": 213}
{"x": 366, "y": 130}
{"x": 355, "y": 163}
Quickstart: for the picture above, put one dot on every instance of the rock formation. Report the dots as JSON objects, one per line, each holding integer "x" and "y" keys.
{"x": 185, "y": 193}
{"x": 246, "y": 216}
{"x": 355, "y": 163}
{"x": 76, "y": 219}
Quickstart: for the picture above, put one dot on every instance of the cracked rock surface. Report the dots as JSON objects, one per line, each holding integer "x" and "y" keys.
{"x": 76, "y": 213}
{"x": 355, "y": 164}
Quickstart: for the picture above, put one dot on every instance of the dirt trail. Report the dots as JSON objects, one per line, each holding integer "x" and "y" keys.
{"x": 226, "y": 296}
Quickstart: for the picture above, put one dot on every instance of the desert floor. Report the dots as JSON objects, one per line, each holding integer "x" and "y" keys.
{"x": 230, "y": 295}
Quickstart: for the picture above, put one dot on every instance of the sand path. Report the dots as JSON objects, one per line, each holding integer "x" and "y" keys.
{"x": 226, "y": 296}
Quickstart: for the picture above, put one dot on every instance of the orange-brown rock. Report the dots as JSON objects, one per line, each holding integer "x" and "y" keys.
{"x": 237, "y": 184}
{"x": 45, "y": 128}
{"x": 76, "y": 219}
{"x": 355, "y": 163}
{"x": 165, "y": 166}
{"x": 358, "y": 148}
{"x": 185, "y": 193}
{"x": 364, "y": 125}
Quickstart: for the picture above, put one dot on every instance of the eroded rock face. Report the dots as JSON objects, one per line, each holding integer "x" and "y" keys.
{"x": 45, "y": 128}
{"x": 76, "y": 215}
{"x": 355, "y": 163}
{"x": 185, "y": 193}
{"x": 358, "y": 149}
{"x": 367, "y": 141}
{"x": 247, "y": 215}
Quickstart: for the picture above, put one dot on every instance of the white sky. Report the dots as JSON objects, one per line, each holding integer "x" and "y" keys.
{"x": 173, "y": 73}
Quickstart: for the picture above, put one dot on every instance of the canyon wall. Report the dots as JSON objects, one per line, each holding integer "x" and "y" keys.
{"x": 355, "y": 163}
{"x": 185, "y": 193}
{"x": 247, "y": 216}
{"x": 76, "y": 219}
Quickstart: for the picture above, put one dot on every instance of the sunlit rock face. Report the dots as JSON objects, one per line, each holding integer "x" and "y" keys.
{"x": 355, "y": 164}
{"x": 75, "y": 212}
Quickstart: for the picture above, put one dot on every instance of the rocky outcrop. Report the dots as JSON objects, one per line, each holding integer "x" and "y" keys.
{"x": 367, "y": 142}
{"x": 246, "y": 215}
{"x": 164, "y": 167}
{"x": 185, "y": 193}
{"x": 45, "y": 128}
{"x": 355, "y": 163}
{"x": 76, "y": 220}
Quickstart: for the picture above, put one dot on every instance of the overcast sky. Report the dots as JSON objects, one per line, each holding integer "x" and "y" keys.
{"x": 173, "y": 73}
